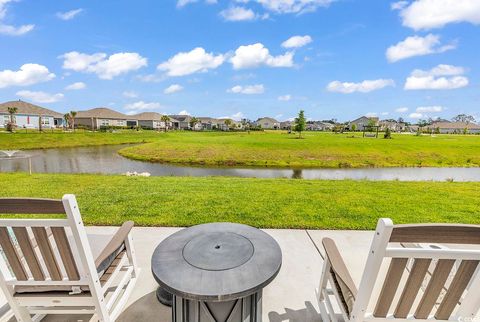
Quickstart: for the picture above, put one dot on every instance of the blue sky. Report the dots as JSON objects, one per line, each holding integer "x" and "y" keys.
{"x": 245, "y": 58}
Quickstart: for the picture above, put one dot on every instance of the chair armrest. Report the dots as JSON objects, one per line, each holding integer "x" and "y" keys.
{"x": 115, "y": 243}
{"x": 338, "y": 265}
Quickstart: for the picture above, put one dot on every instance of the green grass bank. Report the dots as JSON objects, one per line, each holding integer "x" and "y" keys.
{"x": 58, "y": 139}
{"x": 266, "y": 203}
{"x": 317, "y": 150}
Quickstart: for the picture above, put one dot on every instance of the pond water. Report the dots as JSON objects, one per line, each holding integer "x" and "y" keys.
{"x": 105, "y": 159}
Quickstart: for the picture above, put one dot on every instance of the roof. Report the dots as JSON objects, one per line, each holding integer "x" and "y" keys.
{"x": 148, "y": 116}
{"x": 455, "y": 125}
{"x": 28, "y": 108}
{"x": 268, "y": 119}
{"x": 207, "y": 119}
{"x": 103, "y": 112}
{"x": 375, "y": 119}
{"x": 181, "y": 118}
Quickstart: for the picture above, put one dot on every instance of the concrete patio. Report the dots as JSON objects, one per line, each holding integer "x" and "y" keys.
{"x": 290, "y": 297}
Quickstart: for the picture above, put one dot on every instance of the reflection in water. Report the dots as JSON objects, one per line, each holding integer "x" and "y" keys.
{"x": 105, "y": 159}
{"x": 297, "y": 174}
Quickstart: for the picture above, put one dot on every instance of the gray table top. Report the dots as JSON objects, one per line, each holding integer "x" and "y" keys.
{"x": 216, "y": 262}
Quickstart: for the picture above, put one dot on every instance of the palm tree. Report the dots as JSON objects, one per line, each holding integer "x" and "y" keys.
{"x": 193, "y": 122}
{"x": 165, "y": 119}
{"x": 72, "y": 115}
{"x": 11, "y": 124}
{"x": 66, "y": 118}
{"x": 228, "y": 123}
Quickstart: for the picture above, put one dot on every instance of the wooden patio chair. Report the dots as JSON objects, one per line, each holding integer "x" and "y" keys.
{"x": 421, "y": 283}
{"x": 47, "y": 266}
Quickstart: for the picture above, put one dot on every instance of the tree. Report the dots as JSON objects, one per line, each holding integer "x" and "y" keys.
{"x": 72, "y": 118}
{"x": 300, "y": 123}
{"x": 401, "y": 120}
{"x": 194, "y": 122}
{"x": 11, "y": 125}
{"x": 165, "y": 119}
{"x": 66, "y": 118}
{"x": 228, "y": 123}
{"x": 354, "y": 127}
{"x": 464, "y": 118}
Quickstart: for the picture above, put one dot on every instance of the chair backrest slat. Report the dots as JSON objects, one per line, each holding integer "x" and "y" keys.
{"x": 390, "y": 285}
{"x": 434, "y": 287}
{"x": 29, "y": 254}
{"x": 12, "y": 255}
{"x": 412, "y": 286}
{"x": 459, "y": 283}
{"x": 66, "y": 254}
{"x": 31, "y": 206}
{"x": 449, "y": 234}
{"x": 48, "y": 255}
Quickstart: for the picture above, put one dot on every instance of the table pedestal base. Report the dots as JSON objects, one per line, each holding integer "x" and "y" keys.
{"x": 164, "y": 297}
{"x": 243, "y": 309}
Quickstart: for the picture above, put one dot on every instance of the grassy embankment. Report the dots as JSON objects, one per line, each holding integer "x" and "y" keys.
{"x": 57, "y": 139}
{"x": 327, "y": 150}
{"x": 278, "y": 203}
{"x": 270, "y": 149}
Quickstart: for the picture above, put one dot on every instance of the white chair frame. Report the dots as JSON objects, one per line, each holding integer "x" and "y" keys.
{"x": 381, "y": 248}
{"x": 93, "y": 301}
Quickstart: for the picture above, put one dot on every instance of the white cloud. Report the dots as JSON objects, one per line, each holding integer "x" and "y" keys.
{"x": 236, "y": 117}
{"x": 105, "y": 67}
{"x": 371, "y": 114}
{"x": 130, "y": 94}
{"x": 40, "y": 97}
{"x": 141, "y": 106}
{"x": 184, "y": 112}
{"x": 439, "y": 77}
{"x": 297, "y": 41}
{"x": 285, "y": 98}
{"x": 249, "y": 89}
{"x": 238, "y": 14}
{"x": 28, "y": 74}
{"x": 416, "y": 115}
{"x": 195, "y": 61}
{"x": 76, "y": 86}
{"x": 69, "y": 14}
{"x": 173, "y": 89}
{"x": 428, "y": 14}
{"x": 10, "y": 30}
{"x": 363, "y": 87}
{"x": 256, "y": 55}
{"x": 417, "y": 46}
{"x": 182, "y": 3}
{"x": 429, "y": 109}
{"x": 399, "y": 5}
{"x": 401, "y": 110}
{"x": 293, "y": 6}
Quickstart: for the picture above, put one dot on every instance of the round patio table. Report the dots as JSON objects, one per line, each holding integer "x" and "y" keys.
{"x": 216, "y": 272}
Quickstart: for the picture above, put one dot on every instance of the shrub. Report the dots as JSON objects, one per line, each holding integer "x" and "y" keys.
{"x": 388, "y": 134}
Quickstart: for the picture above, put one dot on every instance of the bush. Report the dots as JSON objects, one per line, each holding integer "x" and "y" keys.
{"x": 10, "y": 126}
{"x": 388, "y": 134}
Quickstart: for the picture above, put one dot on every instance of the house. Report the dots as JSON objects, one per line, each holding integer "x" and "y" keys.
{"x": 152, "y": 121}
{"x": 30, "y": 115}
{"x": 183, "y": 122}
{"x": 268, "y": 123}
{"x": 319, "y": 126}
{"x": 208, "y": 123}
{"x": 99, "y": 117}
{"x": 454, "y": 128}
{"x": 393, "y": 125}
{"x": 287, "y": 125}
{"x": 362, "y": 123}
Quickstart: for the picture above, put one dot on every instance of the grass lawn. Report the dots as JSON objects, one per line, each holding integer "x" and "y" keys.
{"x": 278, "y": 149}
{"x": 35, "y": 140}
{"x": 270, "y": 148}
{"x": 273, "y": 203}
